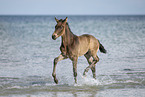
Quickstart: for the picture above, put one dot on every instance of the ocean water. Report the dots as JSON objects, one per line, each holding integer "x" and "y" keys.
{"x": 27, "y": 53}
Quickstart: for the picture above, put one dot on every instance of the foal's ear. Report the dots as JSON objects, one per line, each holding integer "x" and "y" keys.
{"x": 56, "y": 20}
{"x": 65, "y": 20}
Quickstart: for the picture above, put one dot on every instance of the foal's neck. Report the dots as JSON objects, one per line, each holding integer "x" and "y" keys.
{"x": 68, "y": 36}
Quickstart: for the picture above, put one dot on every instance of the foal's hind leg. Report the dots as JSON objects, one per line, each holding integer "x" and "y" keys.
{"x": 56, "y": 60}
{"x": 92, "y": 61}
{"x": 93, "y": 68}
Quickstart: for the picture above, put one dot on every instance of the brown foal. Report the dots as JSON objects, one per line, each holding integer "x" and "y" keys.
{"x": 73, "y": 46}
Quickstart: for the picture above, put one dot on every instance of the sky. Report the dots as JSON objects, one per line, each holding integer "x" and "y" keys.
{"x": 72, "y": 7}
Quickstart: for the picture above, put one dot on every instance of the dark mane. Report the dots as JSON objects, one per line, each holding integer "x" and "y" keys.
{"x": 68, "y": 27}
{"x": 69, "y": 37}
{"x": 69, "y": 33}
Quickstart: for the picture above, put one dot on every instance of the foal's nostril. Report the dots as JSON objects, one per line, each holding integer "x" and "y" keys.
{"x": 53, "y": 37}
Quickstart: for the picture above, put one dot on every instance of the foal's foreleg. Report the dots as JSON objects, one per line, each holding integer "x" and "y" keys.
{"x": 56, "y": 60}
{"x": 75, "y": 68}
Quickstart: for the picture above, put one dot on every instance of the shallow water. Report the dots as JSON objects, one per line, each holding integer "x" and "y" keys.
{"x": 27, "y": 52}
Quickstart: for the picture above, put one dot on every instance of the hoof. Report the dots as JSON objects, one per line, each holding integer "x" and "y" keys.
{"x": 94, "y": 76}
{"x": 84, "y": 74}
{"x": 56, "y": 81}
{"x": 86, "y": 70}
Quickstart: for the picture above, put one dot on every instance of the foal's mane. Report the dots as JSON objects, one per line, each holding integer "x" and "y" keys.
{"x": 68, "y": 27}
{"x": 69, "y": 37}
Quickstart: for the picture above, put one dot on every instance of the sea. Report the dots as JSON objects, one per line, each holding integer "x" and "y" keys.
{"x": 27, "y": 51}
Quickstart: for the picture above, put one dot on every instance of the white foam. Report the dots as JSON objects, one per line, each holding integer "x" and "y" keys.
{"x": 88, "y": 80}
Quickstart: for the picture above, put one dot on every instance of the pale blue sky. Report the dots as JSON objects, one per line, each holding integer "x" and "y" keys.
{"x": 72, "y": 7}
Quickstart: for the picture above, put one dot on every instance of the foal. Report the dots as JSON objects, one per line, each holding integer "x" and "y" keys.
{"x": 73, "y": 46}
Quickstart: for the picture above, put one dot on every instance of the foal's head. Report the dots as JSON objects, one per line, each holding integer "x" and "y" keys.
{"x": 59, "y": 28}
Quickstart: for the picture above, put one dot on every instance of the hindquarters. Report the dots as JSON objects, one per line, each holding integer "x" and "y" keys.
{"x": 88, "y": 43}
{"x": 95, "y": 45}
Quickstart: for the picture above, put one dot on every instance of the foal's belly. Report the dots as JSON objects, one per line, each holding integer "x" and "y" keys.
{"x": 83, "y": 51}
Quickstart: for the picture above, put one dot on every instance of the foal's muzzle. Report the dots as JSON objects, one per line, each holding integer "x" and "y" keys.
{"x": 54, "y": 37}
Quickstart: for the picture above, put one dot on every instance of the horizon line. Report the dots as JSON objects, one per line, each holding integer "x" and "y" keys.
{"x": 72, "y": 14}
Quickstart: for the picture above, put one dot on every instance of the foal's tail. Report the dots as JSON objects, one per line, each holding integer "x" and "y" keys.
{"x": 102, "y": 49}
